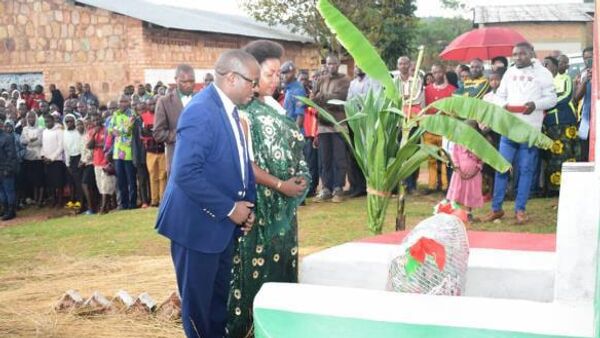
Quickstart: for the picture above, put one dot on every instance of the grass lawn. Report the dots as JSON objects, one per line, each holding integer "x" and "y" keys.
{"x": 40, "y": 260}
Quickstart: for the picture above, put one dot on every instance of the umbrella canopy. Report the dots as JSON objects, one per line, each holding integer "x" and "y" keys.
{"x": 483, "y": 43}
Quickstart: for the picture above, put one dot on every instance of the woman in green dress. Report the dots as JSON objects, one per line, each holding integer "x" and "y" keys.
{"x": 269, "y": 252}
{"x": 560, "y": 124}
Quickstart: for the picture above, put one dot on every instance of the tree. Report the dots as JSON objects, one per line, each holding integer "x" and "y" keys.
{"x": 436, "y": 33}
{"x": 375, "y": 121}
{"x": 388, "y": 24}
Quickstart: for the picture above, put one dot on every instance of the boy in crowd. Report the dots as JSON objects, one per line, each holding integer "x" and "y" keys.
{"x": 52, "y": 155}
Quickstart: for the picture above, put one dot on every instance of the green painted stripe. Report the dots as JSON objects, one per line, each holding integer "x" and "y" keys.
{"x": 269, "y": 323}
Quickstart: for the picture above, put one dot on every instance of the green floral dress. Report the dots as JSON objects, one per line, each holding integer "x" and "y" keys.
{"x": 269, "y": 252}
{"x": 560, "y": 124}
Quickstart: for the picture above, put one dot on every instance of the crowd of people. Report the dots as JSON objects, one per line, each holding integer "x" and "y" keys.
{"x": 539, "y": 92}
{"x": 116, "y": 156}
{"x": 232, "y": 172}
{"x": 75, "y": 153}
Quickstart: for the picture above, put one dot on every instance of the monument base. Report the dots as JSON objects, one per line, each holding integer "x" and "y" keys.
{"x": 509, "y": 293}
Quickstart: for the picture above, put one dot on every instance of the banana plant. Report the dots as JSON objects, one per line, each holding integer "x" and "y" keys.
{"x": 378, "y": 122}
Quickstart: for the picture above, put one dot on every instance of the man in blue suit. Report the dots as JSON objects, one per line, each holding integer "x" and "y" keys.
{"x": 210, "y": 194}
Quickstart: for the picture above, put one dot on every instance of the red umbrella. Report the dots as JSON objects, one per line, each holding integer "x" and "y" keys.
{"x": 483, "y": 43}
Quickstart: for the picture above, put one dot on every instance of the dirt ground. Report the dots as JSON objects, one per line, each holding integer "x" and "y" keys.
{"x": 28, "y": 297}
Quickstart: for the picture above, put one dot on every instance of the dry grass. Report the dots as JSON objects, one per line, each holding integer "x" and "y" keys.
{"x": 41, "y": 259}
{"x": 28, "y": 297}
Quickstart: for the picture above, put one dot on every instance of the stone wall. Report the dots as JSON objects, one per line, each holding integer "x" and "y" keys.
{"x": 166, "y": 49}
{"x": 70, "y": 43}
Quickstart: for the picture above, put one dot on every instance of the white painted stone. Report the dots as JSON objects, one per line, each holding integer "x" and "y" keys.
{"x": 492, "y": 273}
{"x": 511, "y": 274}
{"x": 577, "y": 233}
{"x": 559, "y": 319}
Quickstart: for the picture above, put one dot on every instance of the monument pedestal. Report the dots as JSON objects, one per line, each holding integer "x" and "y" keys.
{"x": 509, "y": 293}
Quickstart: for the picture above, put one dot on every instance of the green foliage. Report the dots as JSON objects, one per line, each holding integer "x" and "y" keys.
{"x": 377, "y": 122}
{"x": 459, "y": 132}
{"x": 436, "y": 33}
{"x": 388, "y": 24}
{"x": 365, "y": 56}
{"x": 493, "y": 116}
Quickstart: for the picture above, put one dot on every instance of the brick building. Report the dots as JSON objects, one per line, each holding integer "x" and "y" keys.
{"x": 567, "y": 27}
{"x": 111, "y": 44}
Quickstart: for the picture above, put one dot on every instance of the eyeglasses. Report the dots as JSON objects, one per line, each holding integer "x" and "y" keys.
{"x": 253, "y": 82}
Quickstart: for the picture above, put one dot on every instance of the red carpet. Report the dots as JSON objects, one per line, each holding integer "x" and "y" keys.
{"x": 487, "y": 240}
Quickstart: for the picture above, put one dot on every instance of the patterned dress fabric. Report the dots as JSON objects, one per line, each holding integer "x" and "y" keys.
{"x": 269, "y": 252}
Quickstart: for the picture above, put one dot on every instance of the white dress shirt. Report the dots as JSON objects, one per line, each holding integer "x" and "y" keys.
{"x": 185, "y": 99}
{"x": 229, "y": 107}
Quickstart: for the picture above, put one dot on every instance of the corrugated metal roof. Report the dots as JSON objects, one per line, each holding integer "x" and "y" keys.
{"x": 195, "y": 20}
{"x": 572, "y": 12}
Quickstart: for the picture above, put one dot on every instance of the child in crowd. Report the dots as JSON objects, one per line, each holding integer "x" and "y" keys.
{"x": 106, "y": 180}
{"x": 465, "y": 185}
{"x": 72, "y": 146}
{"x": 88, "y": 181}
{"x": 52, "y": 155}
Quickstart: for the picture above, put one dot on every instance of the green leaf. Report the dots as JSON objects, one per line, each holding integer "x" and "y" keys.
{"x": 396, "y": 111}
{"x": 411, "y": 265}
{"x": 412, "y": 164}
{"x": 495, "y": 117}
{"x": 364, "y": 54}
{"x": 434, "y": 151}
{"x": 354, "y": 117}
{"x": 403, "y": 159}
{"x": 461, "y": 133}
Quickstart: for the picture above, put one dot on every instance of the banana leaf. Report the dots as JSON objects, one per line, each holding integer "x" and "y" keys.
{"x": 364, "y": 54}
{"x": 461, "y": 133}
{"x": 494, "y": 117}
{"x": 377, "y": 120}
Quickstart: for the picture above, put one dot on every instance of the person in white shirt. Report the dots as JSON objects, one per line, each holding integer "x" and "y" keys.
{"x": 53, "y": 155}
{"x": 527, "y": 89}
{"x": 33, "y": 166}
{"x": 72, "y": 148}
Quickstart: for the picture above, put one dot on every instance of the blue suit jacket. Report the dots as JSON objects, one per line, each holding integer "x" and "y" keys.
{"x": 205, "y": 179}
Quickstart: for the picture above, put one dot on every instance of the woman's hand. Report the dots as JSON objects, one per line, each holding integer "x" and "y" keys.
{"x": 293, "y": 187}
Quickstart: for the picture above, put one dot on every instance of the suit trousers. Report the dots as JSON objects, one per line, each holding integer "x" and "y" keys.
{"x": 332, "y": 154}
{"x": 203, "y": 282}
{"x": 157, "y": 167}
{"x": 433, "y": 164}
{"x": 126, "y": 181}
